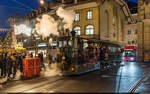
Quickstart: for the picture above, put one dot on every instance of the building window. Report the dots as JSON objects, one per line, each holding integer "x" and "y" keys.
{"x": 89, "y": 30}
{"x": 77, "y": 17}
{"x": 77, "y": 30}
{"x": 129, "y": 32}
{"x": 133, "y": 42}
{"x": 136, "y": 31}
{"x": 129, "y": 42}
{"x": 136, "y": 42}
{"x": 114, "y": 35}
{"x": 89, "y": 15}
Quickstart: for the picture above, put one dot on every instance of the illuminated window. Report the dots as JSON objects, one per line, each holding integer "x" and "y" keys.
{"x": 89, "y": 30}
{"x": 77, "y": 17}
{"x": 89, "y": 15}
{"x": 77, "y": 30}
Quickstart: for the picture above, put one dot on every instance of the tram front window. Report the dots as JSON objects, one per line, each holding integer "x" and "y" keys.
{"x": 129, "y": 54}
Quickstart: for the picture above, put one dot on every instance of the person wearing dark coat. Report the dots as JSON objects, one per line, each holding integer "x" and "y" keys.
{"x": 14, "y": 63}
{"x": 3, "y": 72}
{"x": 1, "y": 63}
{"x": 20, "y": 62}
{"x": 40, "y": 55}
{"x": 9, "y": 66}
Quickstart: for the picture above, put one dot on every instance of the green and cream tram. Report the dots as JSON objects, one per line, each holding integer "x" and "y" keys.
{"x": 81, "y": 54}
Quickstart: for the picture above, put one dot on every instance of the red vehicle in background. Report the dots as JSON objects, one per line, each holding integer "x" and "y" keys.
{"x": 129, "y": 53}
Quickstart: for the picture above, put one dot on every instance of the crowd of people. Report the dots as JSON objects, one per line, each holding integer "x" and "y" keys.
{"x": 10, "y": 63}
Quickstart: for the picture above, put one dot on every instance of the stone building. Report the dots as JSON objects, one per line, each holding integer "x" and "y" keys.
{"x": 143, "y": 30}
{"x": 101, "y": 19}
{"x": 131, "y": 33}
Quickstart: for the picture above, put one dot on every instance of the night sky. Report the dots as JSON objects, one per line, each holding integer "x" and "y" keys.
{"x": 12, "y": 7}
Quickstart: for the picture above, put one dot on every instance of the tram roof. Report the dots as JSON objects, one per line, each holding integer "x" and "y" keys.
{"x": 92, "y": 40}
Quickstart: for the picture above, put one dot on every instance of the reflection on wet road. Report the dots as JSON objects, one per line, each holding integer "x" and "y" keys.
{"x": 116, "y": 80}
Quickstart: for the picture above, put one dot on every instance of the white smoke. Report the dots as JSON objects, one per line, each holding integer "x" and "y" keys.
{"x": 67, "y": 16}
{"x": 53, "y": 70}
{"x": 46, "y": 26}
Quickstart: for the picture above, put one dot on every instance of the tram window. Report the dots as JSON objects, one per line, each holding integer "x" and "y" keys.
{"x": 129, "y": 54}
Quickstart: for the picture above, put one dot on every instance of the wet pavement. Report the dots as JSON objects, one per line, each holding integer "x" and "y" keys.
{"x": 120, "y": 80}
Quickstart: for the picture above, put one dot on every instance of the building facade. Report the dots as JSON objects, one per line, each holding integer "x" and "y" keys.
{"x": 97, "y": 19}
{"x": 143, "y": 29}
{"x": 131, "y": 33}
{"x": 101, "y": 19}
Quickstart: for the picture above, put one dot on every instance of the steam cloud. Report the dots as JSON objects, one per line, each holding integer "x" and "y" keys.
{"x": 67, "y": 16}
{"x": 46, "y": 26}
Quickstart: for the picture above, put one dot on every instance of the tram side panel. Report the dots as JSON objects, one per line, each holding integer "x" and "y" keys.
{"x": 84, "y": 60}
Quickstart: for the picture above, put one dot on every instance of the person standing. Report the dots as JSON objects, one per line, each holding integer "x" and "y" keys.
{"x": 102, "y": 57}
{"x": 42, "y": 60}
{"x": 50, "y": 58}
{"x": 8, "y": 66}
{"x": 1, "y": 64}
{"x": 31, "y": 55}
{"x": 14, "y": 63}
{"x": 4, "y": 64}
{"x": 20, "y": 62}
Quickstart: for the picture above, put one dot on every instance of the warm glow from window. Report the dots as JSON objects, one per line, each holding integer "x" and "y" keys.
{"x": 77, "y": 30}
{"x": 89, "y": 29}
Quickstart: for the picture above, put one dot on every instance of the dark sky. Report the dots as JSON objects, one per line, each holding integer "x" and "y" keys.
{"x": 12, "y": 7}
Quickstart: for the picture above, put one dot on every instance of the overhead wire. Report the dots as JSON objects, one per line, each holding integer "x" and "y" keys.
{"x": 23, "y": 5}
{"x": 14, "y": 7}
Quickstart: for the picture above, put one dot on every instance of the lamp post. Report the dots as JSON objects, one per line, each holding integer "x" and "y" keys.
{"x": 74, "y": 58}
{"x": 73, "y": 33}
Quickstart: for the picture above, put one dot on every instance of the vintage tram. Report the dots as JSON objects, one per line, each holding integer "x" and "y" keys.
{"x": 81, "y": 54}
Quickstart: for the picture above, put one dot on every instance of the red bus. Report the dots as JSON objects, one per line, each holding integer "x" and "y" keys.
{"x": 129, "y": 53}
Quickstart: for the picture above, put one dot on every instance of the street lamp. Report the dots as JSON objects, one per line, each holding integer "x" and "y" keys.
{"x": 42, "y": 2}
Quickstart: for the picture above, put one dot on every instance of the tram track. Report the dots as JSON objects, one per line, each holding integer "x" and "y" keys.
{"x": 44, "y": 83}
{"x": 53, "y": 84}
{"x": 138, "y": 83}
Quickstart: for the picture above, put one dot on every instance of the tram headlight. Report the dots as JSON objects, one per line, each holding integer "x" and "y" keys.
{"x": 131, "y": 58}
